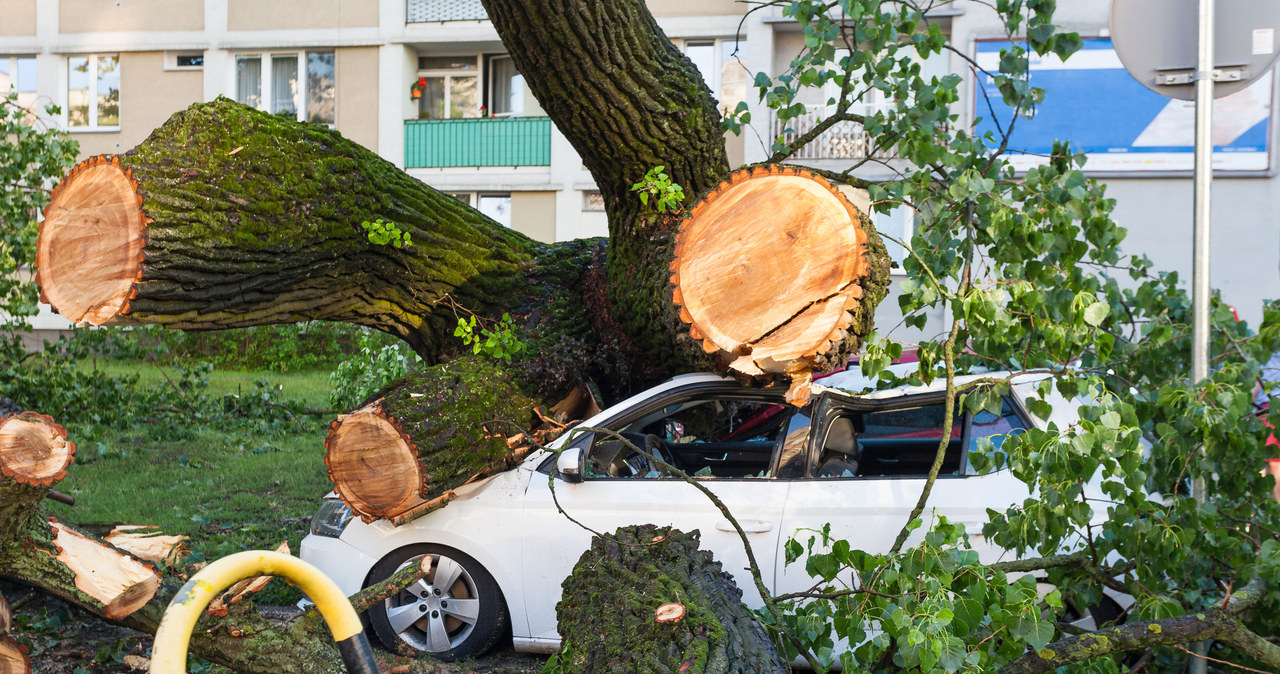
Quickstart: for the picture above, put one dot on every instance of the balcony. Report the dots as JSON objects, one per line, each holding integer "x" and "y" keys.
{"x": 423, "y": 11}
{"x": 487, "y": 141}
{"x": 844, "y": 140}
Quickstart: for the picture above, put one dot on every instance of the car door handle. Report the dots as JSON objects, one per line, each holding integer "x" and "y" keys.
{"x": 748, "y": 526}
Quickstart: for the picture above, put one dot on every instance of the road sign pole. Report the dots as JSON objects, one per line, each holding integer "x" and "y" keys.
{"x": 1200, "y": 246}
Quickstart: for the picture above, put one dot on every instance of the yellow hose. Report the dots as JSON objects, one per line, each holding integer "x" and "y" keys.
{"x": 169, "y": 655}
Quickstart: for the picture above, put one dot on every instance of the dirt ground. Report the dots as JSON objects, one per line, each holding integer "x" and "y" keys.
{"x": 64, "y": 639}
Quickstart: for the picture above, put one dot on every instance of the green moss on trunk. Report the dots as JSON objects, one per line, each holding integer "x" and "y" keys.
{"x": 458, "y": 416}
{"x": 606, "y": 616}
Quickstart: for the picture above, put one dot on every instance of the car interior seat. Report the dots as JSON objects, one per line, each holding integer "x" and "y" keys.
{"x": 840, "y": 450}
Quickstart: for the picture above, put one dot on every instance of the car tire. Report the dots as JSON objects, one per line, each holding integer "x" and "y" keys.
{"x": 463, "y": 620}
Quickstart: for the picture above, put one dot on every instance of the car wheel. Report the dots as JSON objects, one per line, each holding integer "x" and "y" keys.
{"x": 455, "y": 612}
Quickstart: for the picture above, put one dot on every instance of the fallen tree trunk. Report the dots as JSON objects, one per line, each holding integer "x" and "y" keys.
{"x": 756, "y": 312}
{"x": 646, "y": 599}
{"x": 401, "y": 451}
{"x": 229, "y": 217}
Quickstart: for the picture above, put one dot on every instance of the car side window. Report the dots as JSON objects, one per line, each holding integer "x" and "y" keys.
{"x": 715, "y": 436}
{"x": 997, "y": 427}
{"x": 899, "y": 442}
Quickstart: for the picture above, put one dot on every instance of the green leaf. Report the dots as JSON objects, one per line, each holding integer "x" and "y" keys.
{"x": 1096, "y": 313}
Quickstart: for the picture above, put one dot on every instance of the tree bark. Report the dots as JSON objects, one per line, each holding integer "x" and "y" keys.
{"x": 431, "y": 432}
{"x": 616, "y": 614}
{"x": 627, "y": 100}
{"x": 228, "y": 217}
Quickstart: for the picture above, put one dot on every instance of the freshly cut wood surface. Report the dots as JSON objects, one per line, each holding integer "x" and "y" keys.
{"x": 242, "y": 589}
{"x": 372, "y": 465}
{"x": 89, "y": 253}
{"x": 147, "y": 543}
{"x": 13, "y": 659}
{"x": 120, "y": 583}
{"x": 768, "y": 268}
{"x": 34, "y": 449}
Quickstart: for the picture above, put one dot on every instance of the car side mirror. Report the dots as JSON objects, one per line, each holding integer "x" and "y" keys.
{"x": 569, "y": 464}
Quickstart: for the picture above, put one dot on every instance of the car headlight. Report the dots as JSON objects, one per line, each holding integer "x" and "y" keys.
{"x": 331, "y": 519}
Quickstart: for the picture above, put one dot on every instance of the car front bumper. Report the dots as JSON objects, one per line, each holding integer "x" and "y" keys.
{"x": 345, "y": 564}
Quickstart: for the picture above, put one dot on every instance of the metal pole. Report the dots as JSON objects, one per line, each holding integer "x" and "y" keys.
{"x": 1200, "y": 247}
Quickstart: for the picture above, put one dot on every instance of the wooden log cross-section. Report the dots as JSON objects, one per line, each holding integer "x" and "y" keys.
{"x": 775, "y": 271}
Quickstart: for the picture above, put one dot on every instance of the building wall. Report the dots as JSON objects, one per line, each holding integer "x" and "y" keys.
{"x": 17, "y": 17}
{"x": 534, "y": 215}
{"x": 300, "y": 14}
{"x": 149, "y": 94}
{"x": 98, "y": 16}
{"x": 357, "y": 94}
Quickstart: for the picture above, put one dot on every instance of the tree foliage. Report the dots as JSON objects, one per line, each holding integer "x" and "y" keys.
{"x": 1028, "y": 270}
{"x": 32, "y": 158}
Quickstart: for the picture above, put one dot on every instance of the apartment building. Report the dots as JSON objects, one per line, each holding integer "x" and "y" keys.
{"x": 428, "y": 85}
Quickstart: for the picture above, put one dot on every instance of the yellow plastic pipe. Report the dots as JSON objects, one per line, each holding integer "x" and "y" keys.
{"x": 169, "y": 655}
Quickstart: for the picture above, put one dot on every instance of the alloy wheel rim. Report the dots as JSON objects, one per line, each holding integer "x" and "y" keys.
{"x": 439, "y": 612}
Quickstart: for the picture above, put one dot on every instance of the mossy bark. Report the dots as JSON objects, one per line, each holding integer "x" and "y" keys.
{"x": 256, "y": 219}
{"x": 607, "y": 614}
{"x": 628, "y": 101}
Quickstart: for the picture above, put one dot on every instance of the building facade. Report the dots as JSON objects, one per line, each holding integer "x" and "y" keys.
{"x": 428, "y": 85}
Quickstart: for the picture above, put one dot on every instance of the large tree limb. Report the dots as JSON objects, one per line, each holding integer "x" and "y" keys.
{"x": 1219, "y": 623}
{"x": 227, "y": 217}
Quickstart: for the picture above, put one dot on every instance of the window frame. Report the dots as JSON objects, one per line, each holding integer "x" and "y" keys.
{"x": 830, "y": 406}
{"x": 93, "y": 126}
{"x": 481, "y": 85}
{"x": 266, "y": 86}
{"x": 676, "y": 397}
{"x": 16, "y": 83}
{"x": 491, "y": 80}
{"x": 716, "y": 83}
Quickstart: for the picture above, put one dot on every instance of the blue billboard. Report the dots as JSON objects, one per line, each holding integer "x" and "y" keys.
{"x": 1091, "y": 100}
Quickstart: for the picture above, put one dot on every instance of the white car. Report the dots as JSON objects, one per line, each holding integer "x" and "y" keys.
{"x": 501, "y": 550}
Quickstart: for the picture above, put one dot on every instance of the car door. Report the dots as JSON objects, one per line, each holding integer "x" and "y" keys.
{"x": 897, "y": 440}
{"x": 735, "y": 463}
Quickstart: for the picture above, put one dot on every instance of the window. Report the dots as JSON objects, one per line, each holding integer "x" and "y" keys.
{"x": 592, "y": 201}
{"x": 183, "y": 60}
{"x": 496, "y": 206}
{"x": 902, "y": 441}
{"x": 506, "y": 88}
{"x": 447, "y": 87}
{"x": 18, "y": 73}
{"x": 709, "y": 435}
{"x": 300, "y": 84}
{"x": 93, "y": 92}
{"x": 996, "y": 427}
{"x": 899, "y": 223}
{"x": 720, "y": 63}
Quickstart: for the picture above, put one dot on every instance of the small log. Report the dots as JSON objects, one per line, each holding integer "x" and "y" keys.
{"x": 242, "y": 589}
{"x": 147, "y": 543}
{"x": 406, "y": 449}
{"x": 13, "y": 657}
{"x": 34, "y": 454}
{"x": 778, "y": 273}
{"x": 116, "y": 581}
{"x": 647, "y": 599}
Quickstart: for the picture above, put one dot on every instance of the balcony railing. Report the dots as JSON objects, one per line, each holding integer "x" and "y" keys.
{"x": 488, "y": 141}
{"x": 423, "y": 11}
{"x": 844, "y": 140}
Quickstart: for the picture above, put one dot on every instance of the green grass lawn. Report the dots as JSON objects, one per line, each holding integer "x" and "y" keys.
{"x": 311, "y": 388}
{"x": 228, "y": 488}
